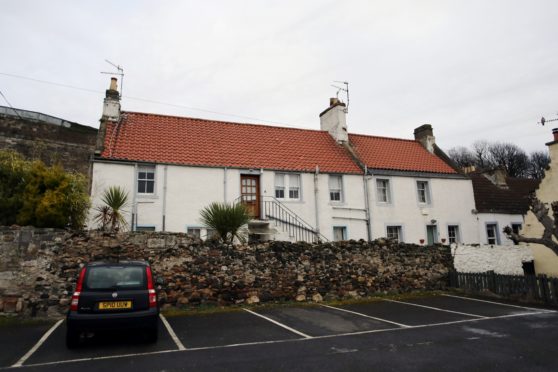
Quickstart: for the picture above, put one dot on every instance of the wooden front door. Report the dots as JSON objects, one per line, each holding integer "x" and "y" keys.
{"x": 250, "y": 194}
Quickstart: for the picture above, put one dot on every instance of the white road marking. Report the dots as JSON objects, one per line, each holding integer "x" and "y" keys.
{"x": 499, "y": 303}
{"x": 279, "y": 324}
{"x": 22, "y": 360}
{"x": 436, "y": 308}
{"x": 275, "y": 341}
{"x": 366, "y": 316}
{"x": 171, "y": 333}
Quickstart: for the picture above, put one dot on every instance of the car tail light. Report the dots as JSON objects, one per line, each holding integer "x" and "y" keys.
{"x": 75, "y": 296}
{"x": 150, "y": 288}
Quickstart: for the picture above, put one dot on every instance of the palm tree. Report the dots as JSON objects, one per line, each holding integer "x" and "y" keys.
{"x": 226, "y": 219}
{"x": 111, "y": 215}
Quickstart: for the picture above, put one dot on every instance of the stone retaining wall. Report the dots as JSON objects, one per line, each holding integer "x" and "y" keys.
{"x": 38, "y": 268}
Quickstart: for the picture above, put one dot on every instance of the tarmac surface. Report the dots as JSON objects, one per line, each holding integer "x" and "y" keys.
{"x": 445, "y": 332}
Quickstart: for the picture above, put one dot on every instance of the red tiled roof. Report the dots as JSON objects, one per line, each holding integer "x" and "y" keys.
{"x": 188, "y": 141}
{"x": 397, "y": 154}
{"x": 514, "y": 199}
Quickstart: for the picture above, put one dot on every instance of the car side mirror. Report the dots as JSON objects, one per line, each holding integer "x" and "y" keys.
{"x": 160, "y": 281}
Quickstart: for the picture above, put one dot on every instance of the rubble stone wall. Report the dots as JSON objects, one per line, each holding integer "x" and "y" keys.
{"x": 38, "y": 268}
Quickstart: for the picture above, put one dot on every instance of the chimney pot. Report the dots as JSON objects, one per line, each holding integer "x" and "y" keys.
{"x": 113, "y": 85}
{"x": 333, "y": 101}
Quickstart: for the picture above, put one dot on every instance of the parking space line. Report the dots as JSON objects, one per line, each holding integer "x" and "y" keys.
{"x": 436, "y": 308}
{"x": 499, "y": 303}
{"x": 22, "y": 360}
{"x": 279, "y": 324}
{"x": 367, "y": 316}
{"x": 171, "y": 333}
{"x": 279, "y": 341}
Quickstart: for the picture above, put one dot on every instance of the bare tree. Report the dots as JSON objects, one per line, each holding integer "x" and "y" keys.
{"x": 462, "y": 156}
{"x": 486, "y": 155}
{"x": 538, "y": 163}
{"x": 550, "y": 225}
{"x": 508, "y": 156}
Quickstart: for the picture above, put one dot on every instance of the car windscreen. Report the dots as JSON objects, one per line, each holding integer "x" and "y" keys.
{"x": 115, "y": 277}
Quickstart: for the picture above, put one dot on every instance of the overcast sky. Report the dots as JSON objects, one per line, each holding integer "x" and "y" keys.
{"x": 473, "y": 69}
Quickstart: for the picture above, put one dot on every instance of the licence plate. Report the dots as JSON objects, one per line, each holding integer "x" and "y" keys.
{"x": 114, "y": 305}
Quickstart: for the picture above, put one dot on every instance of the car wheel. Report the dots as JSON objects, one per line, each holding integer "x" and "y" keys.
{"x": 152, "y": 334}
{"x": 72, "y": 338}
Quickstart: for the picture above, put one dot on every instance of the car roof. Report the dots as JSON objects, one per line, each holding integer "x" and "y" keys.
{"x": 119, "y": 263}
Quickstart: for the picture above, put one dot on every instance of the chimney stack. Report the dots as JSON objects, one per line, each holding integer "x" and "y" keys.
{"x": 553, "y": 147}
{"x": 334, "y": 120}
{"x": 425, "y": 136}
{"x": 111, "y": 104}
{"x": 555, "y": 133}
{"x": 111, "y": 112}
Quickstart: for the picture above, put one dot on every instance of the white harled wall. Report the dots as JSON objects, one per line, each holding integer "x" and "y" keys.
{"x": 189, "y": 189}
{"x": 452, "y": 202}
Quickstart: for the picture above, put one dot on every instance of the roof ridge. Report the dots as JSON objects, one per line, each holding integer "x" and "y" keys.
{"x": 382, "y": 137}
{"x": 221, "y": 121}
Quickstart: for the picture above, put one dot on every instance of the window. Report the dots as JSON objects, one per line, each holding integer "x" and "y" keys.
{"x": 146, "y": 180}
{"x": 339, "y": 233}
{"x": 290, "y": 182}
{"x": 145, "y": 228}
{"x": 453, "y": 234}
{"x": 279, "y": 186}
{"x": 194, "y": 231}
{"x": 382, "y": 189}
{"x": 393, "y": 232}
{"x": 294, "y": 186}
{"x": 423, "y": 192}
{"x": 336, "y": 188}
{"x": 210, "y": 233}
{"x": 492, "y": 233}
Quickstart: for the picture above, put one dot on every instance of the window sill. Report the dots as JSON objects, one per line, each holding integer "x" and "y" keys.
{"x": 147, "y": 196}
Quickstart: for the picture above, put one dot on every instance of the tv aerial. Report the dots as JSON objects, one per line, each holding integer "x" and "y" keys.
{"x": 344, "y": 89}
{"x": 543, "y": 120}
{"x": 120, "y": 73}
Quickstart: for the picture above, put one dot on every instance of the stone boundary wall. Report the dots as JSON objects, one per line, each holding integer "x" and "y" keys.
{"x": 502, "y": 259}
{"x": 38, "y": 268}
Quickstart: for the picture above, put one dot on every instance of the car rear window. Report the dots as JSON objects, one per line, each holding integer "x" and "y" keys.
{"x": 115, "y": 277}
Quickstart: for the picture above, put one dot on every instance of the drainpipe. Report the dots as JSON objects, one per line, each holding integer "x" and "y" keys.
{"x": 165, "y": 197}
{"x": 367, "y": 203}
{"x": 316, "y": 201}
{"x": 225, "y": 184}
{"x": 134, "y": 199}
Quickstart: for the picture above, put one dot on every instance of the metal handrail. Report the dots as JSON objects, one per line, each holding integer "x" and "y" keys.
{"x": 290, "y": 221}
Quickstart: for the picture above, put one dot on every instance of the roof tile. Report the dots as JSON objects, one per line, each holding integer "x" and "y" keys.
{"x": 397, "y": 154}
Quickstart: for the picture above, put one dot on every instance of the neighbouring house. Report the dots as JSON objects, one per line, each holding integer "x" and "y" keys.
{"x": 500, "y": 201}
{"x": 299, "y": 184}
{"x": 546, "y": 261}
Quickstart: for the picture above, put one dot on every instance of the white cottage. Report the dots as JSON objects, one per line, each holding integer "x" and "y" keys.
{"x": 304, "y": 184}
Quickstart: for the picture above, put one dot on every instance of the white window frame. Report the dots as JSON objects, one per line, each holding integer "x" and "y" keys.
{"x": 146, "y": 169}
{"x": 288, "y": 186}
{"x": 496, "y": 233}
{"x": 457, "y": 233}
{"x": 145, "y": 228}
{"x": 387, "y": 191}
{"x": 399, "y": 229}
{"x": 200, "y": 228}
{"x": 344, "y": 232}
{"x": 427, "y": 192}
{"x": 333, "y": 191}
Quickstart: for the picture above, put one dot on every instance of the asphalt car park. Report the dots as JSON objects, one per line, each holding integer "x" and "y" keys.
{"x": 443, "y": 332}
